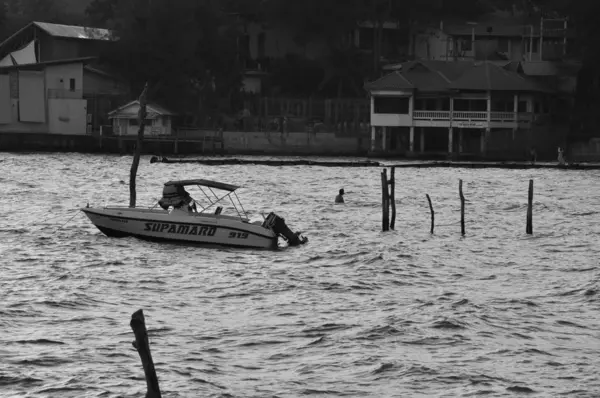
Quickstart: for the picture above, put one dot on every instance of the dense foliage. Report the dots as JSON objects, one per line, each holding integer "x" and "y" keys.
{"x": 189, "y": 50}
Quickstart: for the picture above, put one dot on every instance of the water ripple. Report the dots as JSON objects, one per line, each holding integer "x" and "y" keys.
{"x": 355, "y": 313}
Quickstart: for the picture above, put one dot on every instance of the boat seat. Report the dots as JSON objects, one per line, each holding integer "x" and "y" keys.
{"x": 218, "y": 210}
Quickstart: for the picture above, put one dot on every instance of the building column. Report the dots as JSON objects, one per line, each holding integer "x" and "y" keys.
{"x": 484, "y": 136}
{"x": 411, "y": 105}
{"x": 460, "y": 141}
{"x": 373, "y": 138}
{"x": 489, "y": 108}
{"x": 384, "y": 139}
{"x": 422, "y": 139}
{"x": 486, "y": 131}
{"x": 450, "y": 140}
{"x": 516, "y": 112}
{"x": 412, "y": 139}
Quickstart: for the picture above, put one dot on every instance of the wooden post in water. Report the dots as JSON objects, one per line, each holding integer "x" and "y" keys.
{"x": 529, "y": 228}
{"x": 138, "y": 147}
{"x": 141, "y": 344}
{"x": 462, "y": 207}
{"x": 385, "y": 202}
{"x": 393, "y": 197}
{"x": 432, "y": 213}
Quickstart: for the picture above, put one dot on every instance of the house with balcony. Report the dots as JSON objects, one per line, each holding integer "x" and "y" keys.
{"x": 453, "y": 108}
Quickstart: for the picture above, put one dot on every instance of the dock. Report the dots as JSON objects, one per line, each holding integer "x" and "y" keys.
{"x": 224, "y": 161}
{"x": 267, "y": 162}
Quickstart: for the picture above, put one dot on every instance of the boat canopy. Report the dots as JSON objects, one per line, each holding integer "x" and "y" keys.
{"x": 204, "y": 183}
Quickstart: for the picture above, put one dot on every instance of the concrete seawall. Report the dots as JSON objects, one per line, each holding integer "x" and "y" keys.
{"x": 239, "y": 143}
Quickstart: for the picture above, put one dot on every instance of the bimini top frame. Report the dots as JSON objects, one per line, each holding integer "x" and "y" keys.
{"x": 209, "y": 185}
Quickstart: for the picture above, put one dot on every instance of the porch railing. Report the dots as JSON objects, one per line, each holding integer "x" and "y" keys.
{"x": 431, "y": 115}
{"x": 472, "y": 116}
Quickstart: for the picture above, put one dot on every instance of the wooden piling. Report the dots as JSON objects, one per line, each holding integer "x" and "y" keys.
{"x": 393, "y": 197}
{"x": 432, "y": 213}
{"x": 138, "y": 147}
{"x": 462, "y": 207}
{"x": 385, "y": 220}
{"x": 141, "y": 344}
{"x": 529, "y": 227}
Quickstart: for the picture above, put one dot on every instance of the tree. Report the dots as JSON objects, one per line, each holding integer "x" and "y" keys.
{"x": 100, "y": 12}
{"x": 3, "y": 14}
{"x": 185, "y": 49}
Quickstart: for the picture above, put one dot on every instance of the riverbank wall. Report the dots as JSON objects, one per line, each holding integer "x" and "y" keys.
{"x": 275, "y": 144}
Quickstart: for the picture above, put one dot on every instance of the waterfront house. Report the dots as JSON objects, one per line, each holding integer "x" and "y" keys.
{"x": 43, "y": 42}
{"x": 125, "y": 119}
{"x": 453, "y": 108}
{"x": 494, "y": 36}
{"x": 51, "y": 97}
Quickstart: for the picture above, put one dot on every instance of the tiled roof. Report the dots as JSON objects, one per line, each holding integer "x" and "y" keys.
{"x": 487, "y": 76}
{"x": 440, "y": 76}
{"x": 392, "y": 81}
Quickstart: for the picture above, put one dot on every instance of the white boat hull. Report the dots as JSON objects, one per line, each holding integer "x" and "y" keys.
{"x": 194, "y": 228}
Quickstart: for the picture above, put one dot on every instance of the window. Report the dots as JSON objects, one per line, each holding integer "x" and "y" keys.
{"x": 522, "y": 107}
{"x": 134, "y": 122}
{"x": 466, "y": 45}
{"x": 503, "y": 45}
{"x": 536, "y": 46}
{"x": 71, "y": 84}
{"x": 391, "y": 105}
{"x": 261, "y": 45}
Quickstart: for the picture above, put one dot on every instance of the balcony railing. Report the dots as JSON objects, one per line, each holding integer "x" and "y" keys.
{"x": 472, "y": 116}
{"x": 61, "y": 93}
{"x": 431, "y": 115}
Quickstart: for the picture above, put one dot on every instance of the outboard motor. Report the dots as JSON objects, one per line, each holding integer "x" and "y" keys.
{"x": 278, "y": 225}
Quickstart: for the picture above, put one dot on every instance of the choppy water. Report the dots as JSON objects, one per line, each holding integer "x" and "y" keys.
{"x": 355, "y": 313}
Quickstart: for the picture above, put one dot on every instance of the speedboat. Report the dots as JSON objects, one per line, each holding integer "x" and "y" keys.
{"x": 179, "y": 218}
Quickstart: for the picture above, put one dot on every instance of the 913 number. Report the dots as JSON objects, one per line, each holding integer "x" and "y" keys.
{"x": 238, "y": 235}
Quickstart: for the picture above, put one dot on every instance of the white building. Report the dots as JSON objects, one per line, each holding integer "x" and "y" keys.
{"x": 125, "y": 119}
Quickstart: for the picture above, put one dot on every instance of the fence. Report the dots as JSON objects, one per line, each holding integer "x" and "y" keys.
{"x": 345, "y": 116}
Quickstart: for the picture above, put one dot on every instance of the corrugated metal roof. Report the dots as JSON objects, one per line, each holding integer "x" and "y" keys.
{"x": 74, "y": 32}
{"x": 390, "y": 82}
{"x": 130, "y": 110}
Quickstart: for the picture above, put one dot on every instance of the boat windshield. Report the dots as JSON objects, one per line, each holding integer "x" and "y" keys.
{"x": 175, "y": 194}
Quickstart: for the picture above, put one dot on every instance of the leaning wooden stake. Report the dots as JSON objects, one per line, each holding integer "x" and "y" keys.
{"x": 529, "y": 228}
{"x": 393, "y": 197}
{"x": 138, "y": 146}
{"x": 141, "y": 344}
{"x": 432, "y": 213}
{"x": 385, "y": 203}
{"x": 462, "y": 207}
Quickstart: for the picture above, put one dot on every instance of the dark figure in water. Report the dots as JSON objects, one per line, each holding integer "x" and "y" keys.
{"x": 340, "y": 197}
{"x": 533, "y": 155}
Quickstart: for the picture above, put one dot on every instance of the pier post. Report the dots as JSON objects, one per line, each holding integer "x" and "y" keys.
{"x": 385, "y": 202}
{"x": 393, "y": 197}
{"x": 432, "y": 214}
{"x": 141, "y": 344}
{"x": 462, "y": 207}
{"x": 529, "y": 227}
